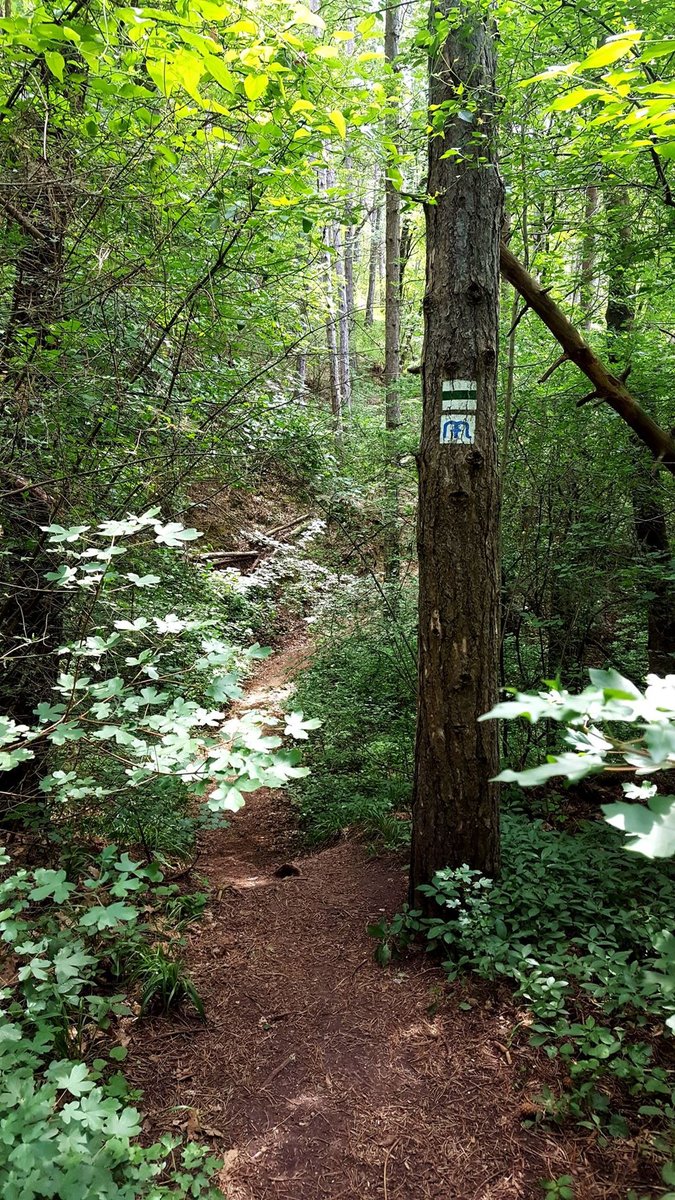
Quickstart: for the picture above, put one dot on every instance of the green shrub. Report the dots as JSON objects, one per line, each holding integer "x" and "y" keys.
{"x": 362, "y": 689}
{"x": 577, "y": 929}
{"x": 67, "y": 1127}
{"x": 135, "y": 730}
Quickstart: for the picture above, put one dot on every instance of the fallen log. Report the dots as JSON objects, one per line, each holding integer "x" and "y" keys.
{"x": 607, "y": 386}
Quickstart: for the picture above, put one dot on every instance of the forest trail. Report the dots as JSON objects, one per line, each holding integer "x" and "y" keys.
{"x": 321, "y": 1076}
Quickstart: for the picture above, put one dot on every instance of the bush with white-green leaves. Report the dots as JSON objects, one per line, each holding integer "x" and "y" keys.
{"x": 611, "y": 726}
{"x": 123, "y": 716}
{"x": 119, "y": 692}
{"x": 595, "y": 727}
{"x": 69, "y": 1127}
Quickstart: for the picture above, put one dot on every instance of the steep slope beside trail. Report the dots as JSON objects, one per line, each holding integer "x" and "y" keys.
{"x": 320, "y": 1075}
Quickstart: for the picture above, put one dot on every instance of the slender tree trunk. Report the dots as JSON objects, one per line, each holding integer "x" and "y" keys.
{"x": 332, "y": 318}
{"x": 300, "y": 374}
{"x": 649, "y": 515}
{"x": 455, "y": 807}
{"x": 334, "y": 372}
{"x": 392, "y": 243}
{"x": 374, "y": 257}
{"x": 588, "y": 255}
{"x": 344, "y": 364}
{"x": 392, "y": 321}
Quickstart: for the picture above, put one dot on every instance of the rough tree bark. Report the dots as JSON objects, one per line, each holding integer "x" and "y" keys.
{"x": 455, "y": 806}
{"x": 31, "y": 616}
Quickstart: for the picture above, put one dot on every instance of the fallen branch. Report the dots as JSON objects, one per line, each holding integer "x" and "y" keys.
{"x": 608, "y": 387}
{"x": 217, "y": 555}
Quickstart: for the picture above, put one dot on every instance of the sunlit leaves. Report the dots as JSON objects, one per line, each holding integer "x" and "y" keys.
{"x": 339, "y": 122}
{"x": 611, "y": 51}
{"x": 651, "y": 830}
{"x": 576, "y": 97}
{"x": 255, "y": 86}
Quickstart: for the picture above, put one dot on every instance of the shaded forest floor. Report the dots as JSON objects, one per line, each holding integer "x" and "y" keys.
{"x": 321, "y": 1075}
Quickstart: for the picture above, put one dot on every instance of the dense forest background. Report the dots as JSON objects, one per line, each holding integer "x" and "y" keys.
{"x": 212, "y": 281}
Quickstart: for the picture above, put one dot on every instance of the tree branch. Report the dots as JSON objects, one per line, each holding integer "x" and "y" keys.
{"x": 22, "y": 220}
{"x": 612, "y": 390}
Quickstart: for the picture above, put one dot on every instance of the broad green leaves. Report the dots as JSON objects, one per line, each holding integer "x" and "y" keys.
{"x": 651, "y": 830}
{"x": 612, "y": 699}
{"x": 613, "y": 49}
{"x": 339, "y": 122}
{"x": 67, "y": 1129}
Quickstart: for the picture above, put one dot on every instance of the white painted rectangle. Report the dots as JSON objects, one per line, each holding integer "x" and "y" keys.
{"x": 458, "y": 429}
{"x": 459, "y": 385}
{"x": 452, "y": 405}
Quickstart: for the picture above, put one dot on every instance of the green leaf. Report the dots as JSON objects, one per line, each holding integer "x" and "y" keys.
{"x": 224, "y": 687}
{"x": 651, "y": 830}
{"x": 51, "y": 883}
{"x": 73, "y": 1078}
{"x": 174, "y": 534}
{"x": 615, "y": 686}
{"x": 217, "y": 69}
{"x": 613, "y": 49}
{"x": 107, "y": 916}
{"x": 576, "y": 97}
{"x": 143, "y": 581}
{"x": 56, "y": 63}
{"x": 339, "y": 122}
{"x": 126, "y": 1124}
{"x": 255, "y": 86}
{"x": 383, "y": 954}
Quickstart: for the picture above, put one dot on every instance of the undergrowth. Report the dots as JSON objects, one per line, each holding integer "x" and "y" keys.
{"x": 73, "y": 946}
{"x": 361, "y": 686}
{"x": 578, "y": 932}
{"x": 575, "y": 926}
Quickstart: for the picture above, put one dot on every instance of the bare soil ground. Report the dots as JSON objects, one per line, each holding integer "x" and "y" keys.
{"x": 321, "y": 1076}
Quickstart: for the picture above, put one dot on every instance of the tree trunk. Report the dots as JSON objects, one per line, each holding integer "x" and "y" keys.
{"x": 373, "y": 261}
{"x": 332, "y": 318}
{"x": 392, "y": 251}
{"x": 649, "y": 515}
{"x": 344, "y": 364}
{"x": 455, "y": 806}
{"x": 334, "y": 373}
{"x": 31, "y": 615}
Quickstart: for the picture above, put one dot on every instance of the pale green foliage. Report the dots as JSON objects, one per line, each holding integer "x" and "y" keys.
{"x": 611, "y": 700}
{"x": 117, "y": 694}
{"x": 66, "y": 1127}
{"x": 628, "y": 97}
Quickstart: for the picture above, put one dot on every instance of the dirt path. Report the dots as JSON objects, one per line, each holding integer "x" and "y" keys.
{"x": 320, "y": 1075}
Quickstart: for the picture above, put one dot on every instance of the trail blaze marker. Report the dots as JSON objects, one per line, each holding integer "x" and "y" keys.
{"x": 458, "y": 412}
